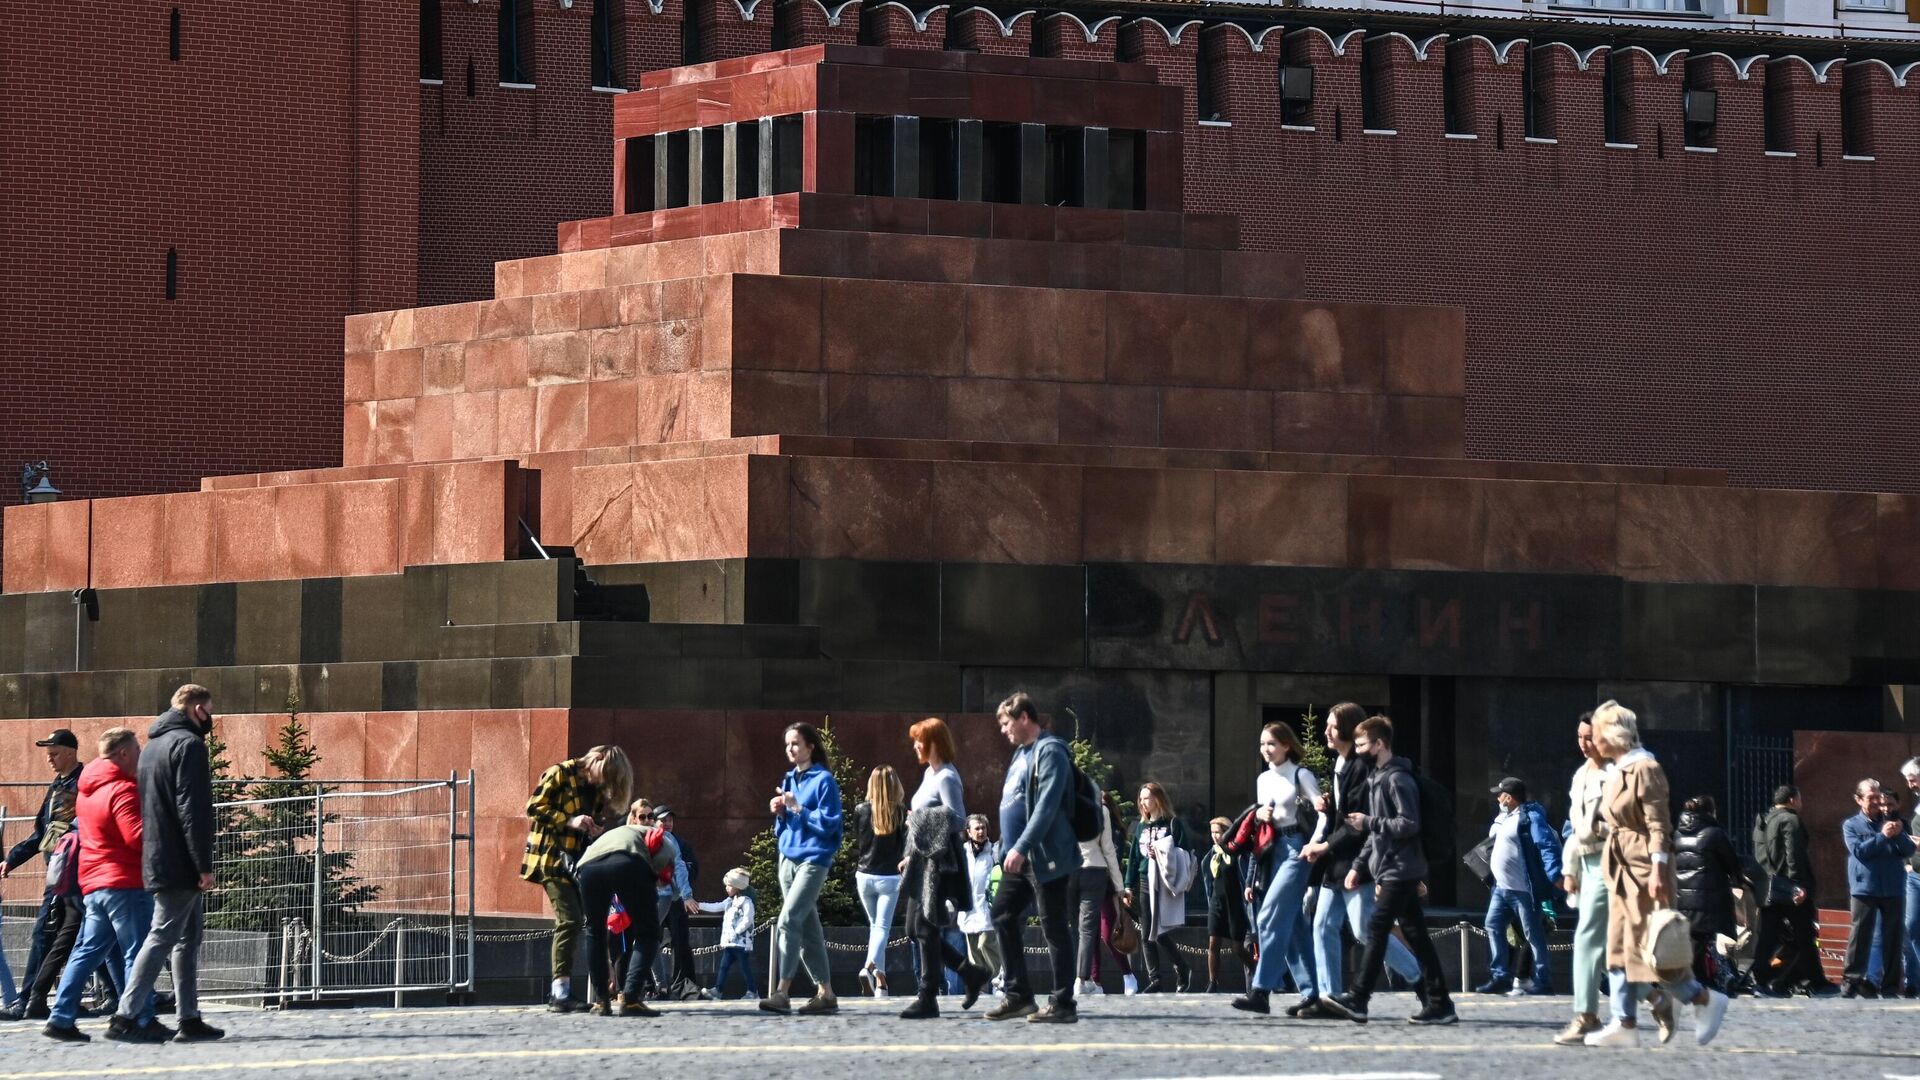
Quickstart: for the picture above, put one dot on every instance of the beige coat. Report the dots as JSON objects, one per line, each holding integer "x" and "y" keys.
{"x": 1640, "y": 825}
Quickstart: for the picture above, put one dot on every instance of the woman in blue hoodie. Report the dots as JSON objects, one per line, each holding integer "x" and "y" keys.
{"x": 807, "y": 823}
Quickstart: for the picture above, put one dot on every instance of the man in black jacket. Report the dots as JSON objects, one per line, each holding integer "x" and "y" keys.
{"x": 1334, "y": 852}
{"x": 57, "y": 924}
{"x": 1397, "y": 861}
{"x": 1787, "y": 909}
{"x": 176, "y": 819}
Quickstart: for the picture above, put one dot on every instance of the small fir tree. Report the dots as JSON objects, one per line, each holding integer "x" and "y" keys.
{"x": 1313, "y": 746}
{"x": 1097, "y": 768}
{"x": 269, "y": 876}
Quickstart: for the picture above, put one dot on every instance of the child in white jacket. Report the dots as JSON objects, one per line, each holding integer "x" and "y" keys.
{"x": 736, "y": 932}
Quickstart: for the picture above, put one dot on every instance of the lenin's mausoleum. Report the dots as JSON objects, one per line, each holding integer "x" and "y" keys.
{"x": 898, "y": 380}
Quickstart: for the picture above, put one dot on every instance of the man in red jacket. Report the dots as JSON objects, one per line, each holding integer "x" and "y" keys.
{"x": 117, "y": 903}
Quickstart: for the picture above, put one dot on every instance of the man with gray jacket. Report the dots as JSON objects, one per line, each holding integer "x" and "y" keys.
{"x": 1393, "y": 854}
{"x": 176, "y": 821}
{"x": 1036, "y": 827}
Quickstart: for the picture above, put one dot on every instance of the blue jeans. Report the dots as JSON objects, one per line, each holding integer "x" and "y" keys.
{"x": 1340, "y": 906}
{"x": 1627, "y": 995}
{"x": 1913, "y": 930}
{"x": 1507, "y": 905}
{"x": 114, "y": 917}
{"x": 1281, "y": 923}
{"x": 879, "y": 895}
{"x": 730, "y": 956}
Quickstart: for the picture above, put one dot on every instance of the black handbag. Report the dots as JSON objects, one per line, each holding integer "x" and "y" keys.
{"x": 956, "y": 885}
{"x": 1480, "y": 860}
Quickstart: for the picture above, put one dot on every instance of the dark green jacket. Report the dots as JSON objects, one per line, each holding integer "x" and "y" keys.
{"x": 1783, "y": 848}
{"x": 1136, "y": 878}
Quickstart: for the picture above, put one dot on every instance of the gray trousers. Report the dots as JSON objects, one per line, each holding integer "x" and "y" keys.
{"x": 178, "y": 918}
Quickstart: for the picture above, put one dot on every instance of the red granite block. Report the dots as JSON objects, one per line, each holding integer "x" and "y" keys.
{"x": 396, "y": 373}
{"x": 666, "y": 347}
{"x": 692, "y": 508}
{"x": 69, "y": 542}
{"x": 129, "y": 542}
{"x": 393, "y": 431}
{"x": 679, "y": 296}
{"x": 432, "y": 429}
{"x": 602, "y": 520}
{"x": 1217, "y": 232}
{"x": 1014, "y": 262}
{"x": 1200, "y": 272}
{"x": 1036, "y": 334}
{"x": 764, "y": 323}
{"x": 1424, "y": 427}
{"x": 1004, "y": 512}
{"x": 611, "y": 354}
{"x": 1549, "y": 528}
{"x": 1896, "y": 534}
{"x": 884, "y": 406}
{"x": 613, "y": 408}
{"x": 356, "y": 433}
{"x": 444, "y": 324}
{"x": 1154, "y": 270}
{"x": 358, "y": 383}
{"x": 1698, "y": 534}
{"x": 1216, "y": 419}
{"x": 515, "y": 420}
{"x": 1425, "y": 350}
{"x": 391, "y": 745}
{"x": 443, "y": 369}
{"x": 558, "y": 358}
{"x": 898, "y": 215}
{"x": 497, "y": 364}
{"x": 25, "y": 543}
{"x": 894, "y": 327}
{"x": 1018, "y": 221}
{"x": 247, "y": 541}
{"x": 367, "y": 333}
{"x": 752, "y": 94}
{"x": 1008, "y": 98}
{"x": 420, "y": 494}
{"x": 1301, "y": 345}
{"x": 1151, "y": 228}
{"x": 1280, "y": 519}
{"x": 793, "y": 90}
{"x": 663, "y": 409}
{"x": 445, "y": 742}
{"x": 769, "y": 506}
{"x": 509, "y": 316}
{"x": 1104, "y": 415}
{"x": 1414, "y": 523}
{"x": 595, "y": 234}
{"x": 305, "y": 517}
{"x": 554, "y": 312}
{"x": 829, "y": 158}
{"x": 960, "y": 218}
{"x": 1177, "y": 340}
{"x": 1163, "y": 166}
{"x": 1816, "y": 538}
{"x": 368, "y": 519}
{"x": 1147, "y": 515}
{"x": 1315, "y": 422}
{"x": 501, "y": 742}
{"x": 477, "y": 515}
{"x": 862, "y": 508}
{"x": 561, "y": 423}
{"x": 1003, "y": 410}
{"x": 776, "y": 403}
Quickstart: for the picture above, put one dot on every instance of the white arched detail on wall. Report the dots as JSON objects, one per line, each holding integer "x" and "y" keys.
{"x": 1418, "y": 48}
{"x": 1898, "y": 78}
{"x": 1659, "y": 63}
{"x": 1172, "y": 36}
{"x": 1006, "y": 27}
{"x": 832, "y": 14}
{"x": 746, "y": 9}
{"x": 1338, "y": 45}
{"x": 1092, "y": 32}
{"x": 1502, "y": 54}
{"x": 1256, "y": 42}
{"x": 919, "y": 20}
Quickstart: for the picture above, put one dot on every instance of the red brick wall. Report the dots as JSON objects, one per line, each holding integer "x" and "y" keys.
{"x": 288, "y": 199}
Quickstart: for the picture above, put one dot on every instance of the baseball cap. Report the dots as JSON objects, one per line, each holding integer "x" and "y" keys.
{"x": 60, "y": 737}
{"x": 1511, "y": 786}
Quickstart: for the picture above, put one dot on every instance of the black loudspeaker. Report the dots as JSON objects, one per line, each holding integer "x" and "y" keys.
{"x": 1296, "y": 84}
{"x": 1702, "y": 106}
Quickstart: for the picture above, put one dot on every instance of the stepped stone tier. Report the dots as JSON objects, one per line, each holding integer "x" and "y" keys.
{"x": 897, "y": 382}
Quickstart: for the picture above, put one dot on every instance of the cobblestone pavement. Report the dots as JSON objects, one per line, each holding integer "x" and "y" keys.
{"x": 1184, "y": 1036}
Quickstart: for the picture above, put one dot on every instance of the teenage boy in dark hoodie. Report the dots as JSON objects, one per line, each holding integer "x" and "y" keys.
{"x": 1393, "y": 855}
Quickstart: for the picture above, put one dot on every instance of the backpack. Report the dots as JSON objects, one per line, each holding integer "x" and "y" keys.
{"x": 1436, "y": 819}
{"x": 63, "y": 865}
{"x": 1083, "y": 799}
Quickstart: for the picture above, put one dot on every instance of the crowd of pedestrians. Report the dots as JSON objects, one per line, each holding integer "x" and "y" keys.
{"x": 127, "y": 841}
{"x": 1656, "y": 900}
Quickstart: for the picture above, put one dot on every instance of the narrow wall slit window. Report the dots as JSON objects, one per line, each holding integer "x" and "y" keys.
{"x": 430, "y": 58}
{"x": 173, "y": 34}
{"x": 516, "y": 41}
{"x": 173, "y": 273}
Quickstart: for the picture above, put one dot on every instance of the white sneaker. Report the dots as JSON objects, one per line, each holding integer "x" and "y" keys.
{"x": 879, "y": 991}
{"x": 1131, "y": 984}
{"x": 1517, "y": 991}
{"x": 749, "y": 996}
{"x": 1615, "y": 1035}
{"x": 706, "y": 995}
{"x": 1707, "y": 1017}
{"x": 1089, "y": 988}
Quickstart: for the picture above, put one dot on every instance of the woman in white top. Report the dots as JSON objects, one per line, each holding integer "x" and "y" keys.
{"x": 1094, "y": 885}
{"x": 940, "y": 786}
{"x": 1281, "y": 923}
